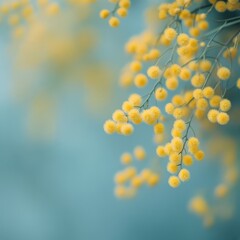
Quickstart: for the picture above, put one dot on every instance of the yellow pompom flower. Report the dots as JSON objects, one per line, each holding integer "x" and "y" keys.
{"x": 177, "y": 144}
{"x": 199, "y": 155}
{"x": 205, "y": 65}
{"x": 140, "y": 80}
{"x": 178, "y": 100}
{"x": 173, "y": 181}
{"x": 153, "y": 179}
{"x": 154, "y": 72}
{"x": 172, "y": 83}
{"x": 221, "y": 6}
{"x": 127, "y": 106}
{"x": 172, "y": 167}
{"x": 198, "y": 205}
{"x": 145, "y": 174}
{"x": 160, "y": 151}
{"x": 122, "y": 12}
{"x": 119, "y": 116}
{"x": 178, "y": 113}
{"x": 223, "y": 118}
{"x": 139, "y": 153}
{"x": 202, "y": 104}
{"x": 175, "y": 157}
{"x": 225, "y": 105}
{"x": 194, "y": 31}
{"x": 223, "y": 73}
{"x": 120, "y": 178}
{"x": 124, "y": 3}
{"x": 127, "y": 129}
{"x": 130, "y": 172}
{"x": 212, "y": 115}
{"x": 179, "y": 124}
{"x": 198, "y": 93}
{"x": 169, "y": 108}
{"x": 158, "y": 128}
{"x": 126, "y": 158}
{"x": 185, "y": 74}
{"x": 203, "y": 25}
{"x": 182, "y": 39}
{"x": 136, "y": 66}
{"x": 184, "y": 175}
{"x": 104, "y": 13}
{"x": 135, "y": 99}
{"x": 176, "y": 132}
{"x": 109, "y": 127}
{"x": 193, "y": 144}
{"x": 114, "y": 22}
{"x": 187, "y": 160}
{"x": 198, "y": 80}
{"x": 215, "y": 101}
{"x": 136, "y": 182}
{"x": 120, "y": 191}
{"x": 170, "y": 33}
{"x": 134, "y": 116}
{"x": 208, "y": 92}
{"x": 154, "y": 54}
{"x": 161, "y": 94}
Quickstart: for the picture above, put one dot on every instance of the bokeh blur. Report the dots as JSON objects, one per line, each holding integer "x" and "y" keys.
{"x": 59, "y": 69}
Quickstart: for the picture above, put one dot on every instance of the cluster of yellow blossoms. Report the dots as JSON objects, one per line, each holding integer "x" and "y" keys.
{"x": 121, "y": 9}
{"x": 128, "y": 181}
{"x": 180, "y": 65}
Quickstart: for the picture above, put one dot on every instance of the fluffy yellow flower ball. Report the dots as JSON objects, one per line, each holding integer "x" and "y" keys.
{"x": 127, "y": 129}
{"x": 208, "y": 92}
{"x": 119, "y": 116}
{"x": 193, "y": 144}
{"x": 122, "y": 12}
{"x": 223, "y": 73}
{"x": 177, "y": 144}
{"x": 169, "y": 108}
{"x": 153, "y": 179}
{"x": 158, "y": 128}
{"x": 180, "y": 125}
{"x": 126, "y": 158}
{"x": 199, "y": 155}
{"x": 170, "y": 33}
{"x": 160, "y": 151}
{"x": 161, "y": 94}
{"x": 187, "y": 160}
{"x": 104, "y": 13}
{"x": 135, "y": 99}
{"x": 139, "y": 153}
{"x": 182, "y": 39}
{"x": 154, "y": 72}
{"x": 172, "y": 167}
{"x": 136, "y": 66}
{"x": 212, "y": 115}
{"x": 225, "y": 105}
{"x": 134, "y": 116}
{"x": 173, "y": 181}
{"x": 136, "y": 182}
{"x": 114, "y": 22}
{"x": 184, "y": 175}
{"x": 140, "y": 80}
{"x": 109, "y": 127}
{"x": 223, "y": 118}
